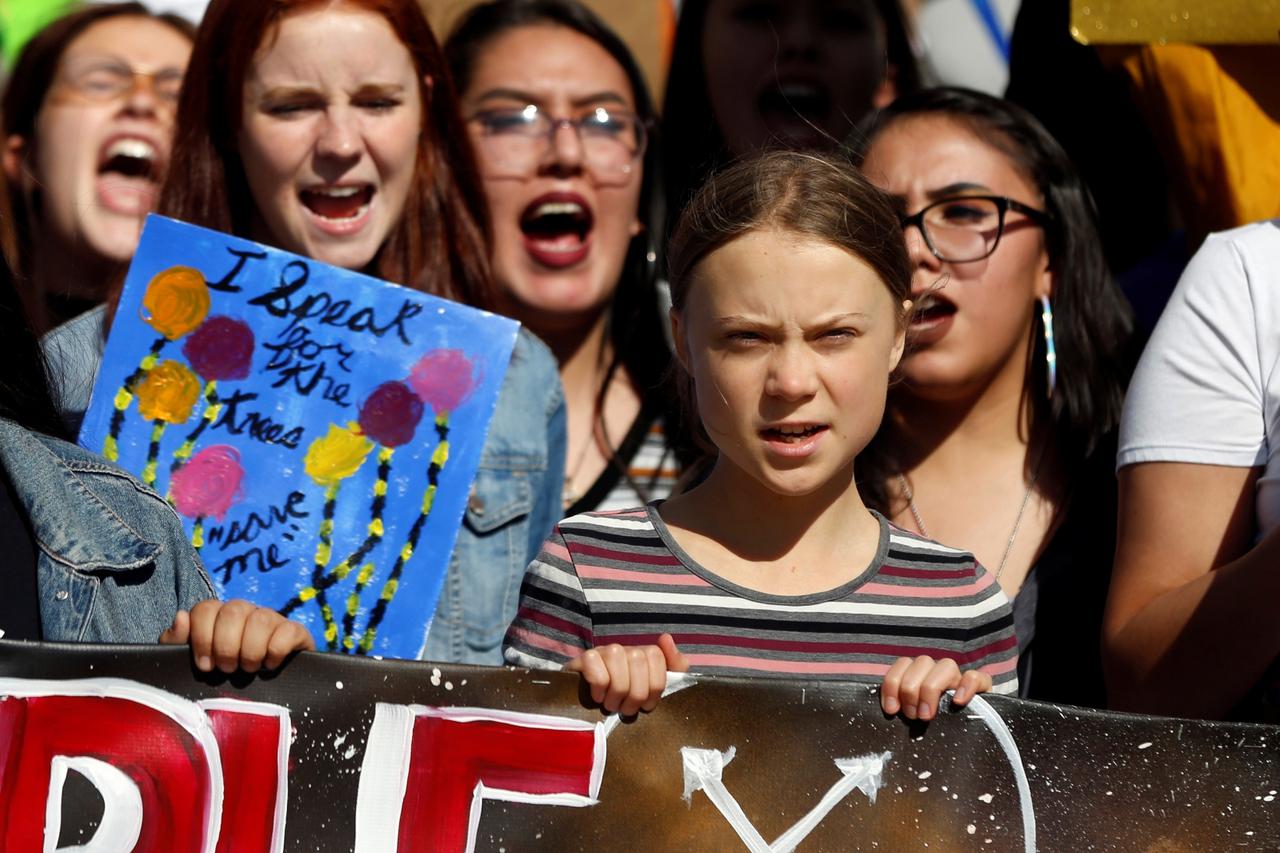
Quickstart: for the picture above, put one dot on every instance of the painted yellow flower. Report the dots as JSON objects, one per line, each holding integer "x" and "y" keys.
{"x": 176, "y": 301}
{"x": 168, "y": 392}
{"x": 337, "y": 455}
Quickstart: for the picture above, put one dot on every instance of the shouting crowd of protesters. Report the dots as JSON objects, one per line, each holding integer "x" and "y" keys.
{"x": 823, "y": 372}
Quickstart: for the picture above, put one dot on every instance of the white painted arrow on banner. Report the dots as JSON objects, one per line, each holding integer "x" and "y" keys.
{"x": 704, "y": 768}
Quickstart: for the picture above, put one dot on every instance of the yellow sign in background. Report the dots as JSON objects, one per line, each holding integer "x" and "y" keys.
{"x": 1162, "y": 21}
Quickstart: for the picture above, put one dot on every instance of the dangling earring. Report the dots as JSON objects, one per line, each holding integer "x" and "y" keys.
{"x": 1050, "y": 351}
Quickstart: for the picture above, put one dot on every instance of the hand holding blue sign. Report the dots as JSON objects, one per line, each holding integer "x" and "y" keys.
{"x": 295, "y": 374}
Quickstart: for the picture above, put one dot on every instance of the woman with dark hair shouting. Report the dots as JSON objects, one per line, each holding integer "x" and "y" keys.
{"x": 563, "y": 129}
{"x": 1000, "y": 436}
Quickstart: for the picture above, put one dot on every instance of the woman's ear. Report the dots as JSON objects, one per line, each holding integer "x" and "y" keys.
{"x": 887, "y": 91}
{"x": 15, "y": 151}
{"x": 678, "y": 338}
{"x": 900, "y": 336}
{"x": 1046, "y": 281}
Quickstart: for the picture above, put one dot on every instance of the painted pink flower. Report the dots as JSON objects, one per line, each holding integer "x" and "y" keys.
{"x": 391, "y": 414}
{"x": 208, "y": 484}
{"x": 222, "y": 348}
{"x": 443, "y": 379}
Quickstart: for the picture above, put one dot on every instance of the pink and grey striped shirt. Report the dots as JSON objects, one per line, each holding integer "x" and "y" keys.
{"x": 620, "y": 577}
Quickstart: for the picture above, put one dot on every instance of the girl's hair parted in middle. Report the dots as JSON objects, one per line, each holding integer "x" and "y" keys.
{"x": 819, "y": 196}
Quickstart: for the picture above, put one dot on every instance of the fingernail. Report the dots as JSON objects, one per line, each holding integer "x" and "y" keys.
{"x": 909, "y": 710}
{"x": 923, "y": 710}
{"x": 204, "y": 664}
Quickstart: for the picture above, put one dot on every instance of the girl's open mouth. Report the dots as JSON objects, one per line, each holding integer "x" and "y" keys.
{"x": 931, "y": 309}
{"x": 338, "y": 204}
{"x": 798, "y": 108}
{"x": 557, "y": 229}
{"x": 793, "y": 441}
{"x": 792, "y": 434}
{"x": 931, "y": 320}
{"x": 129, "y": 172}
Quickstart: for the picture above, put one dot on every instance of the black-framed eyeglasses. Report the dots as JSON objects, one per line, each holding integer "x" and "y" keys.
{"x": 968, "y": 228}
{"x": 514, "y": 140}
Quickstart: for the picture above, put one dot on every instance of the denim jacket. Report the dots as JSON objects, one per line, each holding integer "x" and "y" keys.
{"x": 512, "y": 507}
{"x": 113, "y": 562}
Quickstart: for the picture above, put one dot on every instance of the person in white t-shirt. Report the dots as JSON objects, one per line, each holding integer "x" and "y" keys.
{"x": 1191, "y": 625}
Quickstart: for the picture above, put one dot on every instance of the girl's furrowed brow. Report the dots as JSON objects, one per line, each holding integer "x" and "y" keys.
{"x": 376, "y": 88}
{"x": 843, "y": 317}
{"x": 739, "y": 320}
{"x": 505, "y": 94}
{"x": 958, "y": 188}
{"x": 605, "y": 97}
{"x": 747, "y": 321}
{"x": 284, "y": 93}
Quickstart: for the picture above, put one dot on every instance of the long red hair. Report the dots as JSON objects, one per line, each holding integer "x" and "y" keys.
{"x": 441, "y": 244}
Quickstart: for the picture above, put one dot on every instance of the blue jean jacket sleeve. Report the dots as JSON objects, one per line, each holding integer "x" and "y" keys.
{"x": 113, "y": 563}
{"x": 513, "y": 505}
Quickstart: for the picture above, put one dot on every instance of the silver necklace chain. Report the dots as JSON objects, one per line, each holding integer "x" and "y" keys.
{"x": 569, "y": 495}
{"x": 910, "y": 495}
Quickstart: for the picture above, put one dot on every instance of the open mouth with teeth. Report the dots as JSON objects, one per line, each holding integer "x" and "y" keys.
{"x": 557, "y": 229}
{"x": 129, "y": 172}
{"x": 792, "y": 434}
{"x": 132, "y": 158}
{"x": 931, "y": 309}
{"x": 793, "y": 108}
{"x": 338, "y": 204}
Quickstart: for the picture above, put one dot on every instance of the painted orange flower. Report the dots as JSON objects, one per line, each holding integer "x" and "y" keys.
{"x": 168, "y": 393}
{"x": 176, "y": 301}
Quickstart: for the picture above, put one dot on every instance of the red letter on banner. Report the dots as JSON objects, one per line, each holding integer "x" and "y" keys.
{"x": 167, "y": 761}
{"x": 458, "y": 756}
{"x": 253, "y": 740}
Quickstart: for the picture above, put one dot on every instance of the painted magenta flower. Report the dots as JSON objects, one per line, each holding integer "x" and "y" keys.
{"x": 208, "y": 484}
{"x": 222, "y": 348}
{"x": 336, "y": 455}
{"x": 390, "y": 415}
{"x": 443, "y": 379}
{"x": 168, "y": 392}
{"x": 176, "y": 301}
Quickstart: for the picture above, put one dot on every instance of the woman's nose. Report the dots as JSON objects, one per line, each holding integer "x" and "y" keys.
{"x": 797, "y": 30}
{"x": 142, "y": 97}
{"x": 564, "y": 155}
{"x": 339, "y": 136}
{"x": 922, "y": 257}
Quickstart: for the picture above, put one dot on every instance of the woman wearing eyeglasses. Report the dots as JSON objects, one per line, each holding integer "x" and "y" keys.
{"x": 561, "y": 123}
{"x": 330, "y": 129}
{"x": 88, "y": 120}
{"x": 1000, "y": 436}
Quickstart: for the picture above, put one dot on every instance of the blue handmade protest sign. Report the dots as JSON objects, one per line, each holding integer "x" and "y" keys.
{"x": 316, "y": 429}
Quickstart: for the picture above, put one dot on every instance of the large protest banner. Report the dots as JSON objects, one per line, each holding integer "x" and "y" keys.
{"x": 317, "y": 429}
{"x": 338, "y": 753}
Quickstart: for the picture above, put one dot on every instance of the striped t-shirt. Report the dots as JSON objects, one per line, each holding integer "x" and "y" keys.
{"x": 621, "y": 578}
